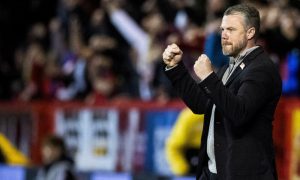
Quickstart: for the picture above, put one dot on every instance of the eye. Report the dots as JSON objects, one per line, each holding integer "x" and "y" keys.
{"x": 230, "y": 29}
{"x": 221, "y": 30}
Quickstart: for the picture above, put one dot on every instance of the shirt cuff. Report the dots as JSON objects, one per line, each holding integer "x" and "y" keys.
{"x": 169, "y": 68}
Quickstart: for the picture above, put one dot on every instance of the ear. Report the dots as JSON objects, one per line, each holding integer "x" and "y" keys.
{"x": 250, "y": 33}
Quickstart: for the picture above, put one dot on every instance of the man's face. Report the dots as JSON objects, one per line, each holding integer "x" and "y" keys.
{"x": 234, "y": 39}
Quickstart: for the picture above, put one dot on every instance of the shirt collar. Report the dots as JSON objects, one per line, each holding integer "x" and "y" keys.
{"x": 242, "y": 55}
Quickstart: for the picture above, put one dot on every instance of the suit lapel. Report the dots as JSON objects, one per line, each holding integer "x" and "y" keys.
{"x": 221, "y": 72}
{"x": 234, "y": 74}
{"x": 244, "y": 64}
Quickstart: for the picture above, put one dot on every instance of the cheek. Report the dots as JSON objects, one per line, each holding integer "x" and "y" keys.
{"x": 238, "y": 39}
{"x": 46, "y": 152}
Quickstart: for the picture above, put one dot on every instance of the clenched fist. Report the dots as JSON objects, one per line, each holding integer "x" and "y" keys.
{"x": 172, "y": 55}
{"x": 203, "y": 67}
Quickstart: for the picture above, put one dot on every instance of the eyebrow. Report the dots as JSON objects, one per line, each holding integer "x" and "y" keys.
{"x": 230, "y": 28}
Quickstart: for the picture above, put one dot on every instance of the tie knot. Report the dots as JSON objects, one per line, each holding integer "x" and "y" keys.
{"x": 232, "y": 61}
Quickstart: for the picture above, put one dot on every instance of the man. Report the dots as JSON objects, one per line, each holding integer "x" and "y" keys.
{"x": 238, "y": 102}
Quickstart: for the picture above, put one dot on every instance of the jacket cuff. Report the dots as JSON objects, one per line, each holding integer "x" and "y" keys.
{"x": 176, "y": 72}
{"x": 209, "y": 83}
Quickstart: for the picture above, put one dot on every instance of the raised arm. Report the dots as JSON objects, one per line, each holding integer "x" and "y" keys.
{"x": 184, "y": 84}
{"x": 129, "y": 29}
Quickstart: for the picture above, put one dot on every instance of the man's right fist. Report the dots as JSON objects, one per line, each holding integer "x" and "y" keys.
{"x": 172, "y": 55}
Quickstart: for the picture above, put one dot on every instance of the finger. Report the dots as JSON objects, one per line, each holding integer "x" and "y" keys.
{"x": 175, "y": 49}
{"x": 203, "y": 58}
{"x": 172, "y": 49}
{"x": 169, "y": 54}
{"x": 166, "y": 57}
{"x": 197, "y": 63}
{"x": 174, "y": 45}
{"x": 196, "y": 66}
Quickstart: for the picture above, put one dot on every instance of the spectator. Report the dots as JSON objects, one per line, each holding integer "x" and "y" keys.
{"x": 144, "y": 40}
{"x": 33, "y": 72}
{"x": 56, "y": 163}
{"x": 102, "y": 79}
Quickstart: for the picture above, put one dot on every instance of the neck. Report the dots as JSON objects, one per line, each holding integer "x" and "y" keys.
{"x": 249, "y": 45}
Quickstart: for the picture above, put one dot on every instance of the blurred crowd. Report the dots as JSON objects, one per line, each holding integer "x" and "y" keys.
{"x": 100, "y": 50}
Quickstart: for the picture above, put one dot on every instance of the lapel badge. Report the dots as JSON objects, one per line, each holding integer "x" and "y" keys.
{"x": 242, "y": 66}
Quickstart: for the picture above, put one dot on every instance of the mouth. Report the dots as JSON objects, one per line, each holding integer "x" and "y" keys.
{"x": 226, "y": 44}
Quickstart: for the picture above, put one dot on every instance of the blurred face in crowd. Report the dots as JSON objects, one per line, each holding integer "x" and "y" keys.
{"x": 50, "y": 153}
{"x": 70, "y": 4}
{"x": 153, "y": 23}
{"x": 216, "y": 5}
{"x": 102, "y": 42}
{"x": 234, "y": 34}
{"x": 101, "y": 75}
{"x": 288, "y": 25}
{"x": 97, "y": 17}
{"x": 38, "y": 31}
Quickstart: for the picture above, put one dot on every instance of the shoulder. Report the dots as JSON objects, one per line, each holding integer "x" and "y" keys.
{"x": 263, "y": 69}
{"x": 260, "y": 60}
{"x": 62, "y": 166}
{"x": 265, "y": 64}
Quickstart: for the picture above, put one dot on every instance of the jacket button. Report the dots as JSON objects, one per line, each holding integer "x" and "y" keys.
{"x": 207, "y": 90}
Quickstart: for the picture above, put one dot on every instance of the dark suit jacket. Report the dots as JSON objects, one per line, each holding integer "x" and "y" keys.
{"x": 245, "y": 107}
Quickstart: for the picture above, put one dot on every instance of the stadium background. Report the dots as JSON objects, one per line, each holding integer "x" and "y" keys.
{"x": 121, "y": 134}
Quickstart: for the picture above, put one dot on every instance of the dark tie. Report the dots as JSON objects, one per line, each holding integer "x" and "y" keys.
{"x": 231, "y": 65}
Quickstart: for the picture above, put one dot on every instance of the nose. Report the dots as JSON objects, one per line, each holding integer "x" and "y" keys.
{"x": 224, "y": 34}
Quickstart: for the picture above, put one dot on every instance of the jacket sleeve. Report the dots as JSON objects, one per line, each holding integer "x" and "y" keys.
{"x": 255, "y": 91}
{"x": 187, "y": 88}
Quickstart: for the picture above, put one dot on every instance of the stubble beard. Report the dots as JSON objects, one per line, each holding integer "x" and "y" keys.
{"x": 232, "y": 50}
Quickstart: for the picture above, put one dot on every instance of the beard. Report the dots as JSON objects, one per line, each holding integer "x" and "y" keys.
{"x": 233, "y": 50}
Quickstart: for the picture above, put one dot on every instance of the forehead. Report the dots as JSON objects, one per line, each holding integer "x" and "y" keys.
{"x": 235, "y": 20}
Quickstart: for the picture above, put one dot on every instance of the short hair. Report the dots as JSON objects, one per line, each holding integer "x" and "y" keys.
{"x": 250, "y": 13}
{"x": 56, "y": 142}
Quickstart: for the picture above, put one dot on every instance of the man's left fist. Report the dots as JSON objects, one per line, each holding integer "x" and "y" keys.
{"x": 203, "y": 67}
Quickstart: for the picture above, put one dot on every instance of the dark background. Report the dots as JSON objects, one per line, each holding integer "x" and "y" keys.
{"x": 15, "y": 19}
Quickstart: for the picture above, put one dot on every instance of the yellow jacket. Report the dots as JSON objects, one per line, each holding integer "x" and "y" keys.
{"x": 186, "y": 133}
{"x": 13, "y": 156}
